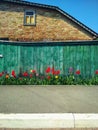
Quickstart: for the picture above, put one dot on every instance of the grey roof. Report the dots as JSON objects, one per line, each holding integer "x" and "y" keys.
{"x": 90, "y": 31}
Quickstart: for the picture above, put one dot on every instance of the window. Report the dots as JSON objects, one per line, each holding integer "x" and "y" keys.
{"x": 29, "y": 17}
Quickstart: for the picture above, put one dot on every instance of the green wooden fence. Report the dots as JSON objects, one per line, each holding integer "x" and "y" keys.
{"x": 81, "y": 56}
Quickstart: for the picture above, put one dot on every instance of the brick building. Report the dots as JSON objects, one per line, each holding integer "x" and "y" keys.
{"x": 26, "y": 21}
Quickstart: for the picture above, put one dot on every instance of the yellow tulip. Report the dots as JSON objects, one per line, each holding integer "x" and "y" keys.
{"x": 31, "y": 71}
{"x": 56, "y": 77}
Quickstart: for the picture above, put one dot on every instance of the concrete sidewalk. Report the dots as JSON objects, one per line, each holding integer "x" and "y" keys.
{"x": 48, "y": 99}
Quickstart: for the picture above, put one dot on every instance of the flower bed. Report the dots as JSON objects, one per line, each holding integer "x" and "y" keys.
{"x": 51, "y": 77}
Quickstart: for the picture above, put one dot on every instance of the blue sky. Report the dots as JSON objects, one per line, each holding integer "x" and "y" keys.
{"x": 86, "y": 11}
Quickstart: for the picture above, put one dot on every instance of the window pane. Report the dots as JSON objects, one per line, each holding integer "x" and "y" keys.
{"x": 27, "y": 19}
{"x": 29, "y": 13}
{"x": 32, "y": 19}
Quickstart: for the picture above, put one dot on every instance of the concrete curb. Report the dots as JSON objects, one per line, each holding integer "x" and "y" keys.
{"x": 46, "y": 120}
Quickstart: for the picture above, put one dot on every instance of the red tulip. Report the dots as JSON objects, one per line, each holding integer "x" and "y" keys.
{"x": 13, "y": 74}
{"x": 1, "y": 74}
{"x": 33, "y": 71}
{"x": 31, "y": 75}
{"x": 25, "y": 74}
{"x": 78, "y": 72}
{"x": 57, "y": 72}
{"x": 96, "y": 72}
{"x": 48, "y": 77}
{"x": 48, "y": 70}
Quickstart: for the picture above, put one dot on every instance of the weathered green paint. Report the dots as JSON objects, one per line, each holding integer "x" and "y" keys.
{"x": 38, "y": 56}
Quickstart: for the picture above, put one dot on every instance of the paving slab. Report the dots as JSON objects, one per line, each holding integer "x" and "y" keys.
{"x": 48, "y": 99}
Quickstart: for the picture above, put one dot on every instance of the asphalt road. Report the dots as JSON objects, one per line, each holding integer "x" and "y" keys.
{"x": 48, "y": 99}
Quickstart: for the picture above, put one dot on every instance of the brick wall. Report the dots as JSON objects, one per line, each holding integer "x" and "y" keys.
{"x": 50, "y": 25}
